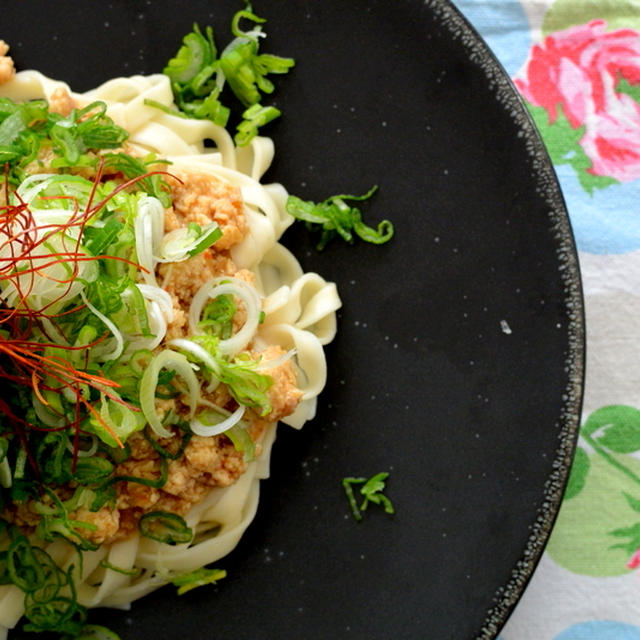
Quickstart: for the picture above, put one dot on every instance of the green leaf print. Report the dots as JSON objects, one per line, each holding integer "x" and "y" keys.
{"x": 632, "y": 90}
{"x": 619, "y": 14}
{"x": 632, "y": 533}
{"x": 621, "y": 437}
{"x": 578, "y": 476}
{"x": 563, "y": 144}
{"x": 583, "y": 539}
{"x": 633, "y": 543}
{"x": 634, "y": 503}
{"x": 616, "y": 427}
{"x": 598, "y": 527}
{"x": 561, "y": 139}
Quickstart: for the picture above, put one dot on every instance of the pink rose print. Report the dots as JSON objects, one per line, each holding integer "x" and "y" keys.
{"x": 591, "y": 74}
{"x": 634, "y": 561}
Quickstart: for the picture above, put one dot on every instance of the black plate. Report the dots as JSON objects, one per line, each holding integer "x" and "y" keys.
{"x": 458, "y": 363}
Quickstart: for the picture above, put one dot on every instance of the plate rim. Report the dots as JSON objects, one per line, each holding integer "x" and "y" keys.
{"x": 479, "y": 52}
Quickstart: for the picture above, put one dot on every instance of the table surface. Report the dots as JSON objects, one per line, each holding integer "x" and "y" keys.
{"x": 577, "y": 65}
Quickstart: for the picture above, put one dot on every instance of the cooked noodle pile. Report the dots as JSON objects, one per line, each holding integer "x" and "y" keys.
{"x": 284, "y": 318}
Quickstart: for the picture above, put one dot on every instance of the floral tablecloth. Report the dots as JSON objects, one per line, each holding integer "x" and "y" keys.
{"x": 577, "y": 65}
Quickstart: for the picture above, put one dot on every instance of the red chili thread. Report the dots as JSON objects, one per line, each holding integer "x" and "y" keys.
{"x": 23, "y": 236}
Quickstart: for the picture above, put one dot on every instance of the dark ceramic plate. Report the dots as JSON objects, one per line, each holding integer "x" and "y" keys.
{"x": 458, "y": 363}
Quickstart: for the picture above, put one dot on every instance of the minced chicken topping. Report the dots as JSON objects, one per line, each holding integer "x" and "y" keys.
{"x": 206, "y": 462}
{"x": 7, "y": 68}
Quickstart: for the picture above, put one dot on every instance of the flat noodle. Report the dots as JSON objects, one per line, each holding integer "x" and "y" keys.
{"x": 299, "y": 314}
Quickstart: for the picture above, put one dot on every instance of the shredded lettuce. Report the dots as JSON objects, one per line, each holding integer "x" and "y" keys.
{"x": 242, "y": 441}
{"x": 186, "y": 242}
{"x": 247, "y": 386}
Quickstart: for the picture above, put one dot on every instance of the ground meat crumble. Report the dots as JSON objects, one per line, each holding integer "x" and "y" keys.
{"x": 206, "y": 462}
{"x": 7, "y": 69}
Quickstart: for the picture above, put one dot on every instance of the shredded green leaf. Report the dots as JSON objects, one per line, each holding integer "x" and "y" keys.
{"x": 27, "y": 127}
{"x": 50, "y": 598}
{"x": 151, "y": 167}
{"x": 247, "y": 386}
{"x": 184, "y": 243}
{"x": 217, "y": 316}
{"x": 372, "y": 492}
{"x": 242, "y": 441}
{"x": 197, "y": 53}
{"x": 254, "y": 117}
{"x": 334, "y": 217}
{"x": 198, "y": 578}
{"x": 198, "y": 76}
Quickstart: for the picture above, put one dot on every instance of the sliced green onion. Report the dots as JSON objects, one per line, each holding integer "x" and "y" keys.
{"x": 249, "y": 35}
{"x": 252, "y": 118}
{"x": 119, "y": 418}
{"x": 159, "y": 296}
{"x": 85, "y": 453}
{"x": 198, "y": 578}
{"x": 159, "y": 449}
{"x": 6, "y": 479}
{"x": 149, "y": 230}
{"x": 44, "y": 413}
{"x": 181, "y": 244}
{"x": 165, "y": 527}
{"x": 208, "y": 423}
{"x": 223, "y": 286}
{"x": 197, "y": 52}
{"x": 160, "y": 312}
{"x": 172, "y": 361}
{"x": 116, "y": 352}
{"x": 122, "y": 571}
{"x": 26, "y": 571}
{"x": 276, "y": 362}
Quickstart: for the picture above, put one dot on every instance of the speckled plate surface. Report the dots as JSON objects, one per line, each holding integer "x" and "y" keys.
{"x": 458, "y": 363}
